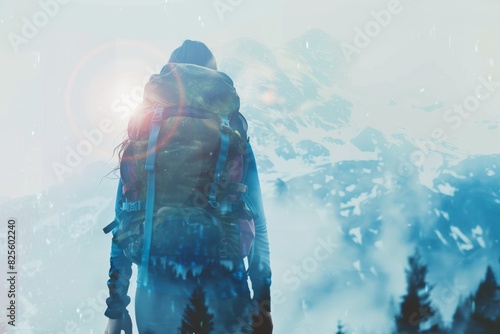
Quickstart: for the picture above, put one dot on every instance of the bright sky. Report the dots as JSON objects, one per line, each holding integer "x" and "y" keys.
{"x": 55, "y": 55}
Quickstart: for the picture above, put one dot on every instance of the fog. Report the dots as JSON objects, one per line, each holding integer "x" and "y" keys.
{"x": 375, "y": 128}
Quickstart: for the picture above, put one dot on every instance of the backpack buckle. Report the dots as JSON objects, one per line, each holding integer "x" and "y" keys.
{"x": 132, "y": 206}
{"x": 223, "y": 250}
{"x": 213, "y": 202}
{"x": 158, "y": 114}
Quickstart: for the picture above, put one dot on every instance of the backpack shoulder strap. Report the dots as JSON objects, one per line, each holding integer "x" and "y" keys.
{"x": 150, "y": 192}
{"x": 221, "y": 161}
{"x": 239, "y": 123}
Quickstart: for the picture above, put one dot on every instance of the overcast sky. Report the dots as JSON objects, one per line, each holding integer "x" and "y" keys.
{"x": 49, "y": 74}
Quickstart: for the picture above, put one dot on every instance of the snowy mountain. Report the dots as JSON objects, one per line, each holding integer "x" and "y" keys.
{"x": 380, "y": 194}
{"x": 355, "y": 192}
{"x": 61, "y": 253}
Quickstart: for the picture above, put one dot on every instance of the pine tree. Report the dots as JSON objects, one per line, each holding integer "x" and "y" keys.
{"x": 197, "y": 319}
{"x": 416, "y": 307}
{"x": 486, "y": 307}
{"x": 462, "y": 315}
{"x": 486, "y": 291}
{"x": 340, "y": 328}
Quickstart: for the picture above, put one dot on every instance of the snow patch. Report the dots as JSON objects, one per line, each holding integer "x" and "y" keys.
{"x": 355, "y": 233}
{"x": 355, "y": 202}
{"x": 440, "y": 236}
{"x": 463, "y": 243}
{"x": 447, "y": 189}
{"x": 441, "y": 213}
{"x": 477, "y": 233}
{"x": 344, "y": 213}
{"x": 454, "y": 174}
{"x": 357, "y": 265}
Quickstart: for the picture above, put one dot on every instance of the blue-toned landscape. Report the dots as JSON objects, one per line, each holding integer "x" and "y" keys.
{"x": 348, "y": 206}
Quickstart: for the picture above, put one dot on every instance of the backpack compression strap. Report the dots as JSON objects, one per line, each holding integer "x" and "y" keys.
{"x": 221, "y": 162}
{"x": 150, "y": 193}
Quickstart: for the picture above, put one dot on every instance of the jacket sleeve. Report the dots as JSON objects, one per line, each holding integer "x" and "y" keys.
{"x": 119, "y": 274}
{"x": 259, "y": 264}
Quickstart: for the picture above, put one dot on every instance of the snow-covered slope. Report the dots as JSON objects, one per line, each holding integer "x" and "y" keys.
{"x": 358, "y": 193}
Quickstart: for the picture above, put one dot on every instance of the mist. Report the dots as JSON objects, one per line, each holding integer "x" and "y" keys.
{"x": 374, "y": 125}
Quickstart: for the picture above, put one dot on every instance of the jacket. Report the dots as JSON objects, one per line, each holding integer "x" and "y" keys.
{"x": 259, "y": 269}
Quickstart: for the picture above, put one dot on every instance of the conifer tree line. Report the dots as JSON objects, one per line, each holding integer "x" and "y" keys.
{"x": 197, "y": 319}
{"x": 477, "y": 313}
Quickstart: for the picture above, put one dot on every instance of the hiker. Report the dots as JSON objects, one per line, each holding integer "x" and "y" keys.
{"x": 175, "y": 260}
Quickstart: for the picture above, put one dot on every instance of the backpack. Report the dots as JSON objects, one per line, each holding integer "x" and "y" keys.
{"x": 181, "y": 171}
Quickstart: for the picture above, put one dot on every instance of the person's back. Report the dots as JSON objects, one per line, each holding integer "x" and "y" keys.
{"x": 186, "y": 251}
